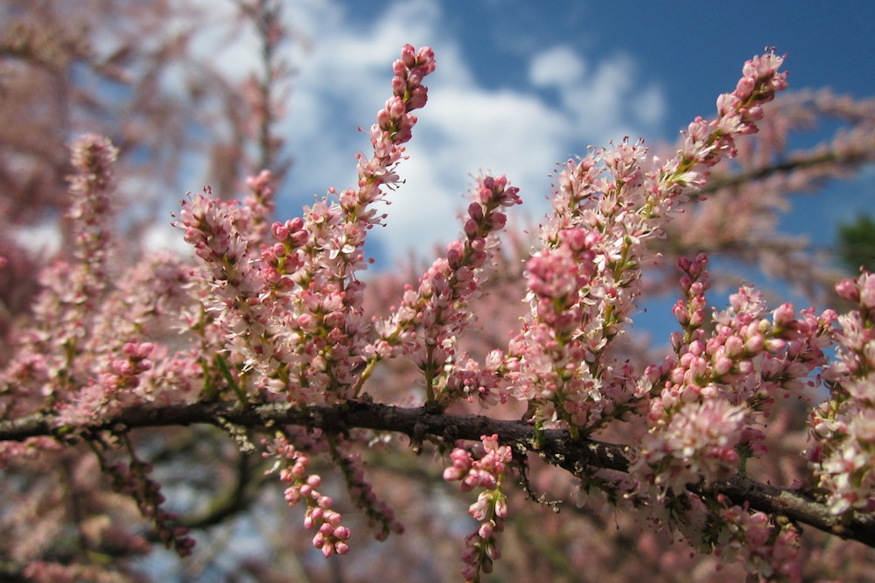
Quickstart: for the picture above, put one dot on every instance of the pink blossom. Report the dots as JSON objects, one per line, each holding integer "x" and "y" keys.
{"x": 843, "y": 427}
{"x": 275, "y": 311}
{"x": 490, "y": 509}
{"x": 723, "y": 382}
{"x": 330, "y": 538}
{"x": 428, "y": 321}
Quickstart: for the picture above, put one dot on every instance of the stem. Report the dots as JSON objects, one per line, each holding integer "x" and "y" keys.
{"x": 556, "y": 447}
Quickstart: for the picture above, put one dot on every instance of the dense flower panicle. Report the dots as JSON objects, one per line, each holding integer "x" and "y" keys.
{"x": 91, "y": 211}
{"x": 429, "y": 320}
{"x": 709, "y": 401}
{"x": 613, "y": 201}
{"x": 553, "y": 363}
{"x": 328, "y": 330}
{"x": 843, "y": 428}
{"x": 87, "y": 354}
{"x": 293, "y": 312}
{"x": 219, "y": 231}
{"x": 54, "y": 360}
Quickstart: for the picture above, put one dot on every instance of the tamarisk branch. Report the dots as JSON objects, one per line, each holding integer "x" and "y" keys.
{"x": 555, "y": 447}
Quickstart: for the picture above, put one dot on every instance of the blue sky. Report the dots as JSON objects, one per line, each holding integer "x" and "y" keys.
{"x": 523, "y": 84}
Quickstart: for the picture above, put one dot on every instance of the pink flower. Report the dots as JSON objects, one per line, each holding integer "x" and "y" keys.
{"x": 843, "y": 427}
{"x": 490, "y": 509}
{"x": 331, "y": 537}
{"x": 426, "y": 324}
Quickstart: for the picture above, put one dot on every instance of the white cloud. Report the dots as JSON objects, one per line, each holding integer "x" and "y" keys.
{"x": 609, "y": 102}
{"x": 559, "y": 66}
{"x": 649, "y": 106}
{"x": 466, "y": 128}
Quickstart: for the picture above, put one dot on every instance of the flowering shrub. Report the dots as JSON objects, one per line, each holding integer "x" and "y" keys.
{"x": 279, "y": 347}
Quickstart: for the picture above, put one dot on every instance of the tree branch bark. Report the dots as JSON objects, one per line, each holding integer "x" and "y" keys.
{"x": 556, "y": 447}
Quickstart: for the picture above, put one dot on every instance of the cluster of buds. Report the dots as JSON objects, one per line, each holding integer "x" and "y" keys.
{"x": 490, "y": 509}
{"x": 723, "y": 381}
{"x": 380, "y": 515}
{"x": 124, "y": 373}
{"x": 707, "y": 142}
{"x": 280, "y": 260}
{"x": 331, "y": 536}
{"x": 260, "y": 202}
{"x": 768, "y": 551}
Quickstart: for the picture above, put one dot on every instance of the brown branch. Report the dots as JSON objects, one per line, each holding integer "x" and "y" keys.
{"x": 556, "y": 447}
{"x": 842, "y": 160}
{"x": 235, "y": 499}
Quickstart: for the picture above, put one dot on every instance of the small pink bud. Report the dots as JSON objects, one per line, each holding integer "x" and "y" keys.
{"x": 452, "y": 474}
{"x": 501, "y": 507}
{"x": 471, "y": 228}
{"x": 848, "y": 290}
{"x": 722, "y": 366}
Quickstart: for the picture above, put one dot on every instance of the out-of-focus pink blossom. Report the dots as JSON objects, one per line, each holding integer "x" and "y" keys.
{"x": 844, "y": 426}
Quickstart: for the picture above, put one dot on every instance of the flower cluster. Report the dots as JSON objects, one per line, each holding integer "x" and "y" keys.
{"x": 72, "y": 289}
{"x": 723, "y": 379}
{"x": 294, "y": 310}
{"x": 490, "y": 509}
{"x": 219, "y": 232}
{"x": 430, "y": 319}
{"x": 610, "y": 204}
{"x": 844, "y": 426}
{"x": 82, "y": 357}
{"x": 331, "y": 536}
{"x": 769, "y": 552}
{"x": 708, "y": 141}
{"x": 111, "y": 391}
{"x": 274, "y": 311}
{"x": 93, "y": 157}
